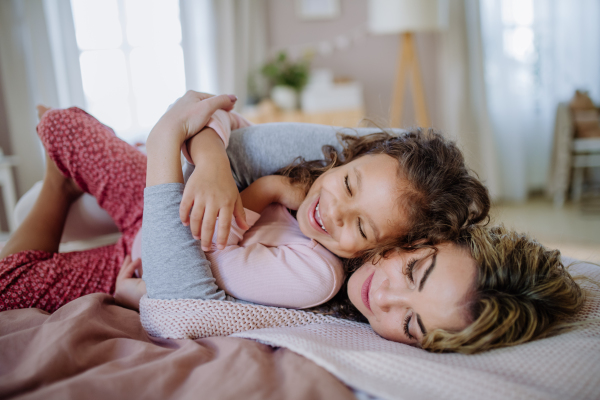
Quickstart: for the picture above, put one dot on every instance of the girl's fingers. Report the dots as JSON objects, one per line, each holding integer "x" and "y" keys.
{"x": 187, "y": 202}
{"x": 196, "y": 219}
{"x": 225, "y": 215}
{"x": 208, "y": 228}
{"x": 239, "y": 213}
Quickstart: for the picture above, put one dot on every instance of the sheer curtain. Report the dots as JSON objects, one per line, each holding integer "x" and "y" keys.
{"x": 536, "y": 53}
{"x": 462, "y": 97}
{"x": 223, "y": 40}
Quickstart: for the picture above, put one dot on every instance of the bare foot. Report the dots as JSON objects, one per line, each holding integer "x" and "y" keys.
{"x": 55, "y": 179}
{"x": 41, "y": 110}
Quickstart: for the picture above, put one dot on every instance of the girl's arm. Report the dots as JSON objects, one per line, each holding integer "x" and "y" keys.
{"x": 272, "y": 189}
{"x": 210, "y": 191}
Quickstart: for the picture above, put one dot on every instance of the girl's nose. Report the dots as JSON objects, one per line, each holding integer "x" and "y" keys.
{"x": 338, "y": 213}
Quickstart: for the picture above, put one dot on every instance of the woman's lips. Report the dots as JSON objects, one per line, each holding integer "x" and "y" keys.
{"x": 312, "y": 219}
{"x": 364, "y": 293}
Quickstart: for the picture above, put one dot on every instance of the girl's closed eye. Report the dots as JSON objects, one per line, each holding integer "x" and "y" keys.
{"x": 360, "y": 229}
{"x": 358, "y": 222}
{"x": 347, "y": 185}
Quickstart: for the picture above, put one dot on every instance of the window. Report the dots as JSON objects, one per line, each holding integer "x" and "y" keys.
{"x": 131, "y": 61}
{"x": 517, "y": 19}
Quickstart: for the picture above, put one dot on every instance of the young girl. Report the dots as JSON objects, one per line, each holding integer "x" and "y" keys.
{"x": 345, "y": 208}
{"x": 364, "y": 200}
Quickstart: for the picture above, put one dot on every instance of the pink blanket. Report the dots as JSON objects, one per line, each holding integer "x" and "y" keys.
{"x": 93, "y": 349}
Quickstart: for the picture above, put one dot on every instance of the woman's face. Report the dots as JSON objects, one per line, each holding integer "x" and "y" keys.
{"x": 409, "y": 294}
{"x": 353, "y": 207}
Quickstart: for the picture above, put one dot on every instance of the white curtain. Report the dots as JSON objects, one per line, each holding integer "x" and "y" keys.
{"x": 536, "y": 53}
{"x": 27, "y": 74}
{"x": 224, "y": 41}
{"x": 462, "y": 97}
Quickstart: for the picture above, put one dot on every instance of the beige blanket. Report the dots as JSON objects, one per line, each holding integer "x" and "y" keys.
{"x": 561, "y": 367}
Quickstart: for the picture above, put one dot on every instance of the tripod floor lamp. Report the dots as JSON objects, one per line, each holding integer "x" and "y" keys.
{"x": 405, "y": 17}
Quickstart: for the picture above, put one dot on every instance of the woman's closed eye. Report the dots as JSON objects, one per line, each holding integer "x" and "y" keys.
{"x": 406, "y": 327}
{"x": 410, "y": 267}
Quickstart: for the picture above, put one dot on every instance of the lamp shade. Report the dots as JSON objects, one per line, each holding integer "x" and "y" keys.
{"x": 395, "y": 16}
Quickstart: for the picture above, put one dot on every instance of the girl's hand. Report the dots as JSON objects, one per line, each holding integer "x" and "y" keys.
{"x": 191, "y": 113}
{"x": 211, "y": 192}
{"x": 129, "y": 290}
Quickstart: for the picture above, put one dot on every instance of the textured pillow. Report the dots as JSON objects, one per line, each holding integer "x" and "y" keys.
{"x": 566, "y": 366}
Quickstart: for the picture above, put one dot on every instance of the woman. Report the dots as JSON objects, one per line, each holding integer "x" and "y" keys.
{"x": 487, "y": 288}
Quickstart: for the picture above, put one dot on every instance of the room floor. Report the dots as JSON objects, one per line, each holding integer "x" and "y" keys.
{"x": 571, "y": 229}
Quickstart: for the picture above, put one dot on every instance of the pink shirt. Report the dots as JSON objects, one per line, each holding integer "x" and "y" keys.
{"x": 272, "y": 263}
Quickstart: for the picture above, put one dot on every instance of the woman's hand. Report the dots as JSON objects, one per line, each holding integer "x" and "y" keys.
{"x": 211, "y": 192}
{"x": 129, "y": 290}
{"x": 185, "y": 119}
{"x": 191, "y": 113}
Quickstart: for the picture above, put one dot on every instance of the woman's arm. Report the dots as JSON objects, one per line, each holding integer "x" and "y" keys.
{"x": 174, "y": 265}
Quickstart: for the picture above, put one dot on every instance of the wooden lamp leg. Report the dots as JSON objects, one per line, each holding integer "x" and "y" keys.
{"x": 399, "y": 86}
{"x": 407, "y": 60}
{"x": 418, "y": 92}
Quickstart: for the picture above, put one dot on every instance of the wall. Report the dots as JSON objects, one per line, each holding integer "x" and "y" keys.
{"x": 372, "y": 62}
{"x": 6, "y": 147}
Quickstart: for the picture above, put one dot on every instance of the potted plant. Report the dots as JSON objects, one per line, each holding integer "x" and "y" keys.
{"x": 287, "y": 79}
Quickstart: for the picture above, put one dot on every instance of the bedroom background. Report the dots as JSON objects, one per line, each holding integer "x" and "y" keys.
{"x": 493, "y": 79}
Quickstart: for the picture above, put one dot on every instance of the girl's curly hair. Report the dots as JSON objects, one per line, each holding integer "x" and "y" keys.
{"x": 440, "y": 194}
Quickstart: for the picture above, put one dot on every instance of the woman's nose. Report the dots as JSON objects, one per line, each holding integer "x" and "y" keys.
{"x": 387, "y": 297}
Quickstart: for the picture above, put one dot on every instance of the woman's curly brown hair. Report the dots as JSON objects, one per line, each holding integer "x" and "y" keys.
{"x": 522, "y": 292}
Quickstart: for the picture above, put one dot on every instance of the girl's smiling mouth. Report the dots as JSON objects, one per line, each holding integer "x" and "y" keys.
{"x": 366, "y": 291}
{"x": 314, "y": 217}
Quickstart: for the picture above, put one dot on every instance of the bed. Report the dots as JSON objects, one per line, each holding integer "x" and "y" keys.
{"x": 92, "y": 348}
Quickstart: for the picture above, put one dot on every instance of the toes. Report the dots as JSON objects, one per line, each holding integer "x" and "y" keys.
{"x": 41, "y": 109}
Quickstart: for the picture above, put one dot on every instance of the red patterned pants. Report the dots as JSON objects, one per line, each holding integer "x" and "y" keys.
{"x": 109, "y": 169}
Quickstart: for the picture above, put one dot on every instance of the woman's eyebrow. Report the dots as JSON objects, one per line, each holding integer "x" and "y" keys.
{"x": 427, "y": 272}
{"x": 369, "y": 219}
{"x": 420, "y": 322}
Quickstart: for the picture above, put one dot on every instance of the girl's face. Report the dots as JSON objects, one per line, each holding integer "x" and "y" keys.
{"x": 353, "y": 207}
{"x": 409, "y": 294}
